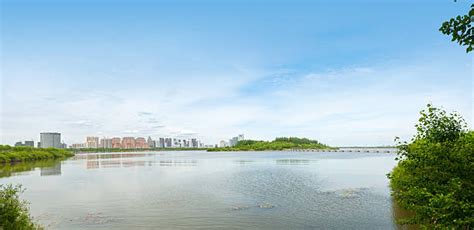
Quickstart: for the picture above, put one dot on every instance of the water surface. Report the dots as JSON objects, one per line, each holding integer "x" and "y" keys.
{"x": 200, "y": 190}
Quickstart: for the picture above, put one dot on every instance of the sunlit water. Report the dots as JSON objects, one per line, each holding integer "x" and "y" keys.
{"x": 200, "y": 190}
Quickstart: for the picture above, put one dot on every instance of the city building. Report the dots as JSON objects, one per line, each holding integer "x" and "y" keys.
{"x": 161, "y": 142}
{"x": 92, "y": 142}
{"x": 116, "y": 143}
{"x": 235, "y": 140}
{"x": 50, "y": 139}
{"x": 194, "y": 143}
{"x": 29, "y": 143}
{"x": 223, "y": 144}
{"x": 140, "y": 143}
{"x": 105, "y": 143}
{"x": 151, "y": 143}
{"x": 128, "y": 142}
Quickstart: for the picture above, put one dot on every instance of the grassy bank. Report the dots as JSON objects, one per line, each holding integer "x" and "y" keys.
{"x": 10, "y": 154}
{"x": 281, "y": 143}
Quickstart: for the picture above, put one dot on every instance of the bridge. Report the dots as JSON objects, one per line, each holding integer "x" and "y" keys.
{"x": 352, "y": 150}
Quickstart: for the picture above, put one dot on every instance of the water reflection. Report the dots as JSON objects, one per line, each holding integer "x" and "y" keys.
{"x": 51, "y": 167}
{"x": 199, "y": 190}
{"x": 400, "y": 213}
{"x": 244, "y": 162}
{"x": 123, "y": 160}
{"x": 292, "y": 162}
{"x": 52, "y": 170}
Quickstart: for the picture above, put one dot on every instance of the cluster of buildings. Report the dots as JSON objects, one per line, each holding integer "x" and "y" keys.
{"x": 138, "y": 143}
{"x": 47, "y": 140}
{"x": 53, "y": 139}
{"x": 232, "y": 142}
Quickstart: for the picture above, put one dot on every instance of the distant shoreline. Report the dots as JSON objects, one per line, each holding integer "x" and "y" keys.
{"x": 228, "y": 149}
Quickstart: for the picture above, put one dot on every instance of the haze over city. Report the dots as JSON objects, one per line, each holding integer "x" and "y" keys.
{"x": 216, "y": 70}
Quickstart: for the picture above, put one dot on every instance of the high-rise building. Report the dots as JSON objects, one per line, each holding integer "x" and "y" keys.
{"x": 140, "y": 143}
{"x": 128, "y": 142}
{"x": 105, "y": 143}
{"x": 92, "y": 142}
{"x": 161, "y": 142}
{"x": 151, "y": 143}
{"x": 116, "y": 143}
{"x": 50, "y": 140}
{"x": 194, "y": 143}
{"x": 168, "y": 142}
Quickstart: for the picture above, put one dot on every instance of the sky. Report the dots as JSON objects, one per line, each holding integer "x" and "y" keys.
{"x": 347, "y": 73}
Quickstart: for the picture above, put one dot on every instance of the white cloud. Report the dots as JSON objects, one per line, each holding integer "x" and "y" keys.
{"x": 351, "y": 106}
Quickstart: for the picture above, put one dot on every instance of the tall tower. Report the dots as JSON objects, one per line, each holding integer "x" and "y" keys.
{"x": 48, "y": 140}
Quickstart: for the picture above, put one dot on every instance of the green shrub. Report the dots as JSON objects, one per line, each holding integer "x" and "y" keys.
{"x": 434, "y": 177}
{"x": 14, "y": 213}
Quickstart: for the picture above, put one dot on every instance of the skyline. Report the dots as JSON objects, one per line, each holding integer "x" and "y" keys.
{"x": 213, "y": 70}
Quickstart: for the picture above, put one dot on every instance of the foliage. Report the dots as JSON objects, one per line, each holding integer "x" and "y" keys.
{"x": 280, "y": 143}
{"x": 14, "y": 154}
{"x": 434, "y": 177}
{"x": 460, "y": 29}
{"x": 14, "y": 213}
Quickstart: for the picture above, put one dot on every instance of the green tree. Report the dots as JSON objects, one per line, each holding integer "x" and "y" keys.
{"x": 14, "y": 213}
{"x": 460, "y": 29}
{"x": 434, "y": 177}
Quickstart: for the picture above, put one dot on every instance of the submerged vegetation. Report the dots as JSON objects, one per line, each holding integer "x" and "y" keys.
{"x": 434, "y": 177}
{"x": 280, "y": 143}
{"x": 10, "y": 154}
{"x": 14, "y": 213}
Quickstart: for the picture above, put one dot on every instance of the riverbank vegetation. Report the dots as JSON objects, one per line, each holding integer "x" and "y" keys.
{"x": 10, "y": 154}
{"x": 434, "y": 177}
{"x": 14, "y": 213}
{"x": 280, "y": 143}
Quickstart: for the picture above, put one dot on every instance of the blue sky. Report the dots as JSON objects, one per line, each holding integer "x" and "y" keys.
{"x": 345, "y": 73}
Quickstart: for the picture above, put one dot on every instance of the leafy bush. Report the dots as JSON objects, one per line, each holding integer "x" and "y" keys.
{"x": 14, "y": 213}
{"x": 434, "y": 177}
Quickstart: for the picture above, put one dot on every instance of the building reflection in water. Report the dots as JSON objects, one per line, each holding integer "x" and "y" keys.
{"x": 51, "y": 171}
{"x": 95, "y": 161}
{"x": 292, "y": 162}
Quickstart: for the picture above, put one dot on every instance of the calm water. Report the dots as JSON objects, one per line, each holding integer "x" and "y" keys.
{"x": 200, "y": 190}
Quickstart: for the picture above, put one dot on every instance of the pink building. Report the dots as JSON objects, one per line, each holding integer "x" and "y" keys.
{"x": 140, "y": 143}
{"x": 116, "y": 143}
{"x": 128, "y": 143}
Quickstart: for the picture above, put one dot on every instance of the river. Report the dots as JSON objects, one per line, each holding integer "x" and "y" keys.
{"x": 215, "y": 190}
